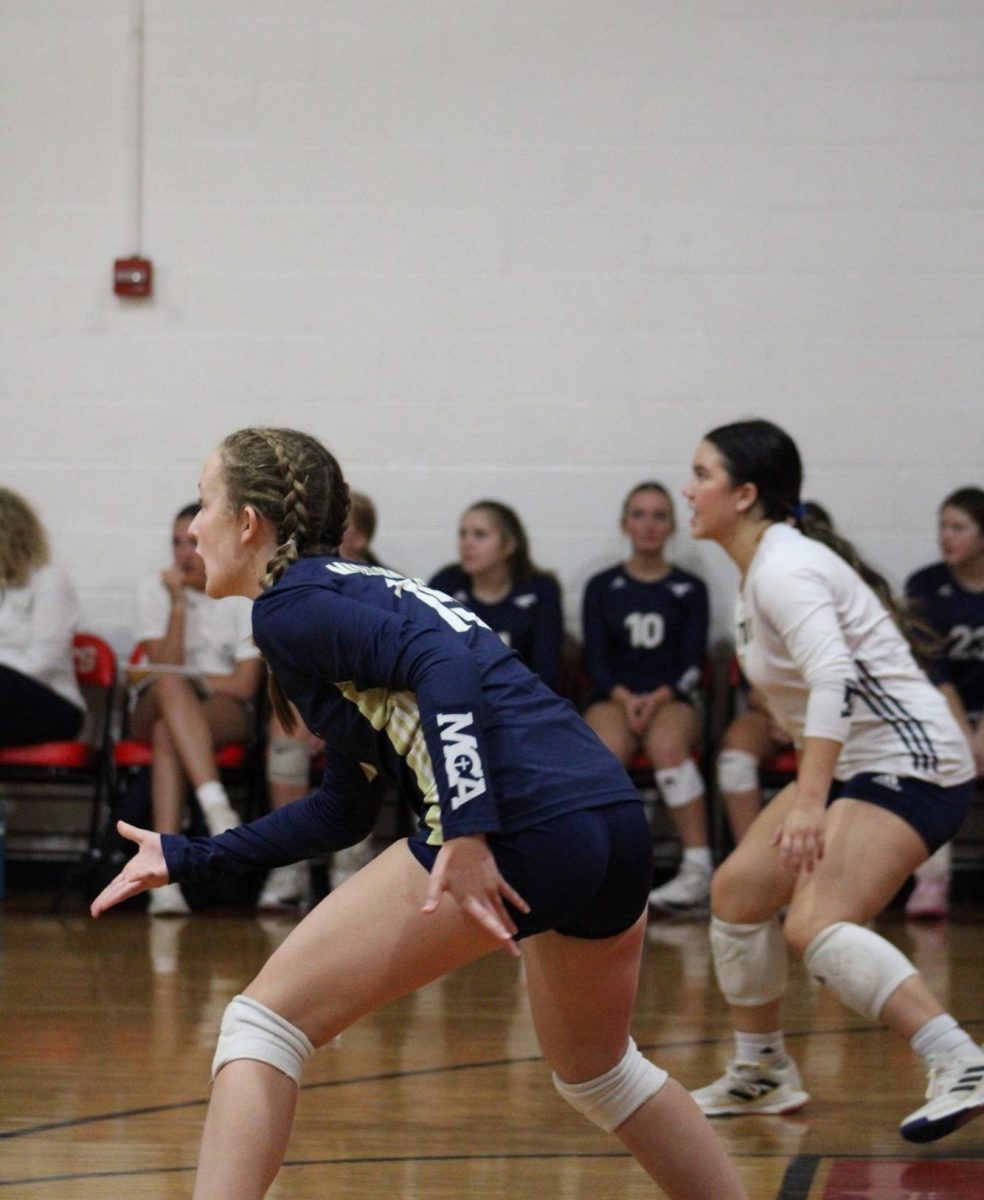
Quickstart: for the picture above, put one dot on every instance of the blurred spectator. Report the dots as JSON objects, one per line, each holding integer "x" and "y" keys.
{"x": 39, "y": 696}
{"x": 496, "y": 578}
{"x": 202, "y": 697}
{"x": 645, "y": 640}
{"x": 949, "y": 597}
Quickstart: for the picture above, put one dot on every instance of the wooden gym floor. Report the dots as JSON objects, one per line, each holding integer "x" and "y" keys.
{"x": 107, "y": 1029}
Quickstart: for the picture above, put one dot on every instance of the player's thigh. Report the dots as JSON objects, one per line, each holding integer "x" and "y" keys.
{"x": 869, "y": 853}
{"x": 229, "y": 719}
{"x": 144, "y": 715}
{"x": 365, "y": 944}
{"x": 673, "y": 733}
{"x": 751, "y": 884}
{"x": 582, "y": 993}
{"x": 607, "y": 719}
{"x": 752, "y": 732}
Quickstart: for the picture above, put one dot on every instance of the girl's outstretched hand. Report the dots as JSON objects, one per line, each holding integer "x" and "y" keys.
{"x": 466, "y": 868}
{"x": 145, "y": 870}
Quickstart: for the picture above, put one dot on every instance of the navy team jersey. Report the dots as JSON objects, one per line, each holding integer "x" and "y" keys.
{"x": 644, "y": 635}
{"x": 529, "y": 619}
{"x": 958, "y": 617}
{"x": 406, "y": 686}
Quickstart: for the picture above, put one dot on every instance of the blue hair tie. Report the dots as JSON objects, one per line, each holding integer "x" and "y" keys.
{"x": 799, "y": 512}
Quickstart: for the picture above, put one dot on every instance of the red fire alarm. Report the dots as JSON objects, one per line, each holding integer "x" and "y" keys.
{"x": 133, "y": 277}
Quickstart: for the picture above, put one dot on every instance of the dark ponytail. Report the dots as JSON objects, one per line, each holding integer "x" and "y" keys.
{"x": 761, "y": 453}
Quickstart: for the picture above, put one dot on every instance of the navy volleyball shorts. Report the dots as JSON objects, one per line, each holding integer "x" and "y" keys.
{"x": 586, "y": 874}
{"x": 934, "y": 812}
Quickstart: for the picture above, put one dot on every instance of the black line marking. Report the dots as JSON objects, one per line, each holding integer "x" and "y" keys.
{"x": 798, "y": 1177}
{"x": 380, "y": 1160}
{"x": 423, "y": 1072}
{"x": 797, "y": 1180}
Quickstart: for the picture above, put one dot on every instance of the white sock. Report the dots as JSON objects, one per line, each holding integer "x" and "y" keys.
{"x": 759, "y": 1047}
{"x": 942, "y": 1035}
{"x": 212, "y": 795}
{"x": 699, "y": 856}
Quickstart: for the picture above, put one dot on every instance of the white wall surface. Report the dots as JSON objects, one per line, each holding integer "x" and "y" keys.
{"x": 529, "y": 249}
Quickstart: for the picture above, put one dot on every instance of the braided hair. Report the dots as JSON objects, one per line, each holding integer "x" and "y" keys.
{"x": 760, "y": 452}
{"x": 296, "y": 483}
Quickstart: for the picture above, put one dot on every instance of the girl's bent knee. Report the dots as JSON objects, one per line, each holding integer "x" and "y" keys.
{"x": 730, "y": 888}
{"x": 612, "y": 1098}
{"x": 251, "y": 1030}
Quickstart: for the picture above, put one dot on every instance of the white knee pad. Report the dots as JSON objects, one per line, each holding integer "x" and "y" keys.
{"x": 612, "y": 1098}
{"x": 750, "y": 961}
{"x": 288, "y": 762}
{"x": 251, "y": 1030}
{"x": 858, "y": 966}
{"x": 679, "y": 785}
{"x": 737, "y": 771}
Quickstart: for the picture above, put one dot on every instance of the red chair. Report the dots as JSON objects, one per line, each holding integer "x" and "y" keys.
{"x": 85, "y": 761}
{"x": 778, "y": 770}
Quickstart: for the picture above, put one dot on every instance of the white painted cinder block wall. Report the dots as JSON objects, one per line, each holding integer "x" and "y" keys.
{"x": 529, "y": 249}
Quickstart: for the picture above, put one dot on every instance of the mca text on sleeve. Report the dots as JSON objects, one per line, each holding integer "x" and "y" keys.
{"x": 462, "y": 761}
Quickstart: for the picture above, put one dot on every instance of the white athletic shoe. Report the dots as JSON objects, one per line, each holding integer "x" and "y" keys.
{"x": 167, "y": 901}
{"x": 220, "y": 817}
{"x": 285, "y": 887}
{"x": 688, "y": 891}
{"x": 930, "y": 898}
{"x": 753, "y": 1087}
{"x": 954, "y": 1094}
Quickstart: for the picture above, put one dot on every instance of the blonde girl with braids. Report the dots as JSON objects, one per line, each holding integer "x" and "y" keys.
{"x": 883, "y": 779}
{"x": 530, "y": 834}
{"x": 39, "y": 697}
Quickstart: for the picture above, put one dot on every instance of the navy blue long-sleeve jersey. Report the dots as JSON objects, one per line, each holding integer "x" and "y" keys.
{"x": 405, "y": 685}
{"x": 958, "y": 617}
{"x": 529, "y": 619}
{"x": 644, "y": 635}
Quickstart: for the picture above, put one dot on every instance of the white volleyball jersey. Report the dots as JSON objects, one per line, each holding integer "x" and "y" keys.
{"x": 218, "y": 633}
{"x": 819, "y": 643}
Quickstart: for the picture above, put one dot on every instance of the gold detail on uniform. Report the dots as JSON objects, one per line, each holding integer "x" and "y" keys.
{"x": 396, "y": 714}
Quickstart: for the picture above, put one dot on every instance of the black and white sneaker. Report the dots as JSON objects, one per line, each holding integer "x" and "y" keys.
{"x": 755, "y": 1088}
{"x": 954, "y": 1096}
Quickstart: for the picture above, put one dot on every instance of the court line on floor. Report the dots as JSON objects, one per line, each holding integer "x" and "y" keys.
{"x": 798, "y": 1177}
{"x": 797, "y": 1181}
{"x": 418, "y": 1073}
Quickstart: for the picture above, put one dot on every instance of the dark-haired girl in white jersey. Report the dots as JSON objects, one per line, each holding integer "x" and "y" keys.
{"x": 883, "y": 779}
